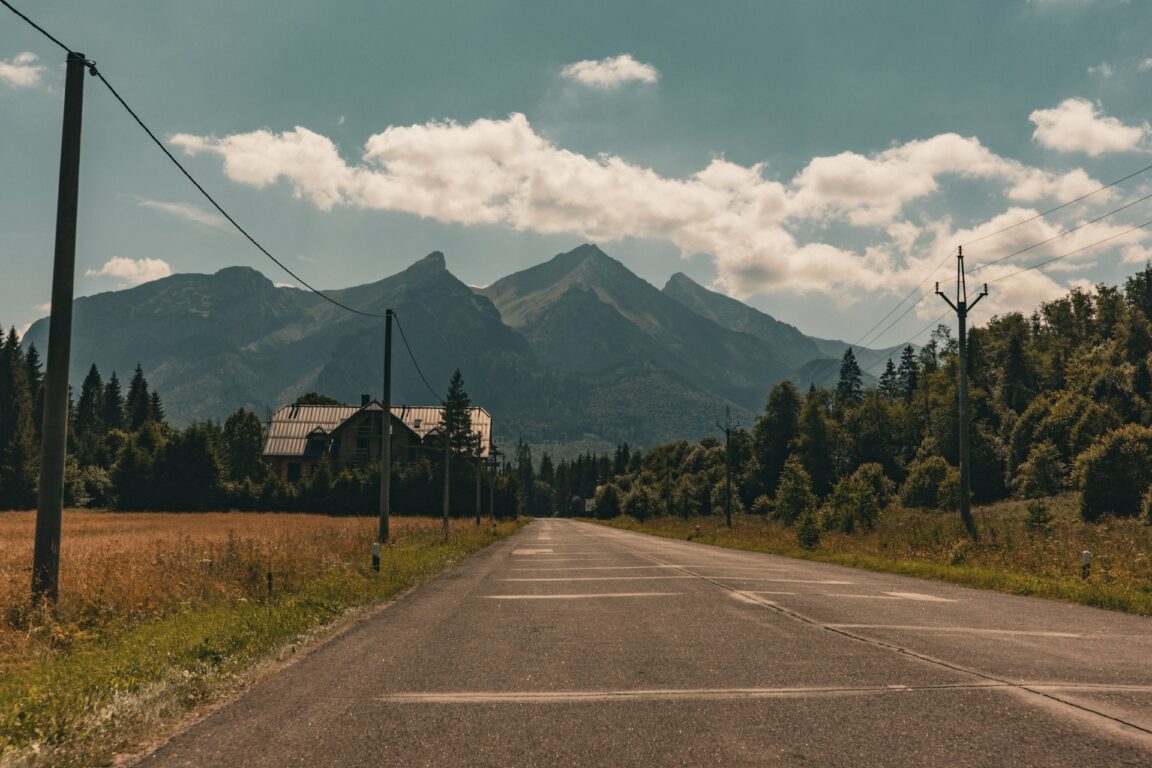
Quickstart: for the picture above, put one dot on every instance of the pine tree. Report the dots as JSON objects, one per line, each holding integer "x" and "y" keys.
{"x": 908, "y": 374}
{"x": 35, "y": 386}
{"x": 547, "y": 473}
{"x": 138, "y": 404}
{"x": 89, "y": 411}
{"x": 243, "y": 446}
{"x": 457, "y": 417}
{"x": 889, "y": 384}
{"x": 112, "y": 404}
{"x": 17, "y": 432}
{"x": 774, "y": 432}
{"x": 816, "y": 442}
{"x": 849, "y": 388}
{"x": 155, "y": 408}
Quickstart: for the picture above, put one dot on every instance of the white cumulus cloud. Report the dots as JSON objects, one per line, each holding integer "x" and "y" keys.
{"x": 1078, "y": 125}
{"x": 132, "y": 271}
{"x": 22, "y": 71}
{"x": 611, "y": 72}
{"x": 1145, "y": 66}
{"x": 502, "y": 172}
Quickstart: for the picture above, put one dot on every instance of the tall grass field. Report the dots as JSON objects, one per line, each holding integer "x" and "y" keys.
{"x": 160, "y": 613}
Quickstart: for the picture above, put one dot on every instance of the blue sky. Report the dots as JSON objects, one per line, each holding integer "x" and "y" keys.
{"x": 816, "y": 159}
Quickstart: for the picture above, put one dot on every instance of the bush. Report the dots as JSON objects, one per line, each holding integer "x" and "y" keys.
{"x": 873, "y": 475}
{"x": 794, "y": 496}
{"x": 1115, "y": 473}
{"x": 762, "y": 506}
{"x": 1042, "y": 474}
{"x": 607, "y": 502}
{"x": 642, "y": 503}
{"x": 922, "y": 488}
{"x": 1038, "y": 515}
{"x": 808, "y": 531}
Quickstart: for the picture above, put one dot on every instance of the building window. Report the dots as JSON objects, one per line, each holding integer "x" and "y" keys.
{"x": 293, "y": 471}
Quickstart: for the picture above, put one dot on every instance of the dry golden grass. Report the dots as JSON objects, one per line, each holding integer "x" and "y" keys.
{"x": 159, "y": 613}
{"x": 121, "y": 568}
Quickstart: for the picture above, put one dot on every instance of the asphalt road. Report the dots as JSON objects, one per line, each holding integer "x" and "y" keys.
{"x": 576, "y": 645}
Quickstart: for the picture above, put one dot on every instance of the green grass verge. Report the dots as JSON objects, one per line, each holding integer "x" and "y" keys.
{"x": 1099, "y": 595}
{"x": 81, "y": 706}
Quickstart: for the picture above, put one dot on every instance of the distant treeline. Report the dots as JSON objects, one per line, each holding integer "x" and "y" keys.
{"x": 123, "y": 454}
{"x": 1060, "y": 400}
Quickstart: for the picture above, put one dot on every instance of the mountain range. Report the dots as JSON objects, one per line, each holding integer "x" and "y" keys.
{"x": 577, "y": 353}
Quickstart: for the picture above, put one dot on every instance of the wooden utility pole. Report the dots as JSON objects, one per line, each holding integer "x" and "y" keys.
{"x": 961, "y": 308}
{"x": 385, "y": 441}
{"x": 479, "y": 470}
{"x": 447, "y": 463}
{"x": 54, "y": 427}
{"x": 726, "y": 428}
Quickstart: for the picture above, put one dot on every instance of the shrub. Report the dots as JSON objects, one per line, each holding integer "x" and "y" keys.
{"x": 641, "y": 503}
{"x": 873, "y": 475}
{"x": 794, "y": 496}
{"x": 808, "y": 531}
{"x": 607, "y": 502}
{"x": 1038, "y": 515}
{"x": 1115, "y": 473}
{"x": 1042, "y": 474}
{"x": 922, "y": 488}
{"x": 762, "y": 506}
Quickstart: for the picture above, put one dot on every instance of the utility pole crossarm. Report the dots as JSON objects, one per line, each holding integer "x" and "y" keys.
{"x": 944, "y": 296}
{"x": 979, "y": 296}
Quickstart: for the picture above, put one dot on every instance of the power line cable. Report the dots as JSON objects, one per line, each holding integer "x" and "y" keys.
{"x": 1062, "y": 233}
{"x": 413, "y": 357}
{"x": 1042, "y": 214}
{"x": 218, "y": 207}
{"x": 96, "y": 73}
{"x": 1071, "y": 253}
{"x": 36, "y": 26}
{"x": 912, "y": 338}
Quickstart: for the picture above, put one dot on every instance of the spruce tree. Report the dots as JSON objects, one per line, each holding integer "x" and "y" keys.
{"x": 17, "y": 432}
{"x": 908, "y": 374}
{"x": 155, "y": 408}
{"x": 243, "y": 445}
{"x": 774, "y": 432}
{"x": 35, "y": 386}
{"x": 849, "y": 388}
{"x": 889, "y": 384}
{"x": 457, "y": 417}
{"x": 138, "y": 404}
{"x": 112, "y": 405}
{"x": 89, "y": 409}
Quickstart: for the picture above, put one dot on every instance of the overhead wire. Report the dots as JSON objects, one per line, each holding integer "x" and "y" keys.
{"x": 155, "y": 140}
{"x": 408, "y": 346}
{"x": 36, "y": 26}
{"x": 151, "y": 135}
{"x": 1042, "y": 214}
{"x": 1060, "y": 234}
{"x": 1071, "y": 253}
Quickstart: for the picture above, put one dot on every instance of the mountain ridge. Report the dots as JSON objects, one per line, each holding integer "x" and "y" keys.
{"x": 575, "y": 350}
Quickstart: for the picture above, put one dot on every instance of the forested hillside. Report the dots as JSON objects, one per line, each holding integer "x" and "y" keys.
{"x": 1061, "y": 399}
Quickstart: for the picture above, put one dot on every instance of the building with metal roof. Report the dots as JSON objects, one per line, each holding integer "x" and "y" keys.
{"x": 301, "y": 436}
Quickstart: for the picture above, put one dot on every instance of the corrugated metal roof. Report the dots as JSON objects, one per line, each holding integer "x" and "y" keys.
{"x": 423, "y": 419}
{"x": 288, "y": 431}
{"x": 290, "y": 426}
